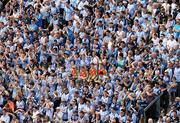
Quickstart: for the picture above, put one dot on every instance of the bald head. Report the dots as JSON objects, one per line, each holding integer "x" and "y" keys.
{"x": 150, "y": 120}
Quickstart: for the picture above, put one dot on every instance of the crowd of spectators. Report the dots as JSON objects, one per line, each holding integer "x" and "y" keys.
{"x": 88, "y": 61}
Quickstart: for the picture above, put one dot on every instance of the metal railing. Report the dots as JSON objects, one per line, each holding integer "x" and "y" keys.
{"x": 153, "y": 109}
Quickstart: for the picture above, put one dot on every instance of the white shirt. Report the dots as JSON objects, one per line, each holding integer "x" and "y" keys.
{"x": 164, "y": 42}
{"x": 5, "y": 118}
{"x": 68, "y": 12}
{"x": 95, "y": 60}
{"x": 3, "y": 19}
{"x": 171, "y": 44}
{"x": 120, "y": 34}
{"x": 43, "y": 40}
{"x": 44, "y": 10}
{"x": 178, "y": 16}
{"x": 104, "y": 99}
{"x": 177, "y": 74}
{"x": 134, "y": 118}
{"x": 121, "y": 95}
{"x": 74, "y": 2}
{"x": 137, "y": 57}
{"x": 103, "y": 114}
{"x": 113, "y": 115}
{"x": 81, "y": 107}
{"x": 110, "y": 45}
{"x": 20, "y": 104}
{"x": 81, "y": 5}
{"x": 130, "y": 6}
{"x": 58, "y": 3}
{"x": 166, "y": 7}
{"x": 87, "y": 108}
{"x": 173, "y": 6}
{"x": 138, "y": 93}
{"x": 64, "y": 97}
{"x": 27, "y": 46}
{"x": 18, "y": 39}
{"x": 155, "y": 41}
{"x": 53, "y": 10}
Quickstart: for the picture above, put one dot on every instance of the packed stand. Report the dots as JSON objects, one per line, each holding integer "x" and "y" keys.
{"x": 96, "y": 61}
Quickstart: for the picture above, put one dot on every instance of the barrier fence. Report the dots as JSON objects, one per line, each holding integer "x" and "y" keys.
{"x": 153, "y": 110}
